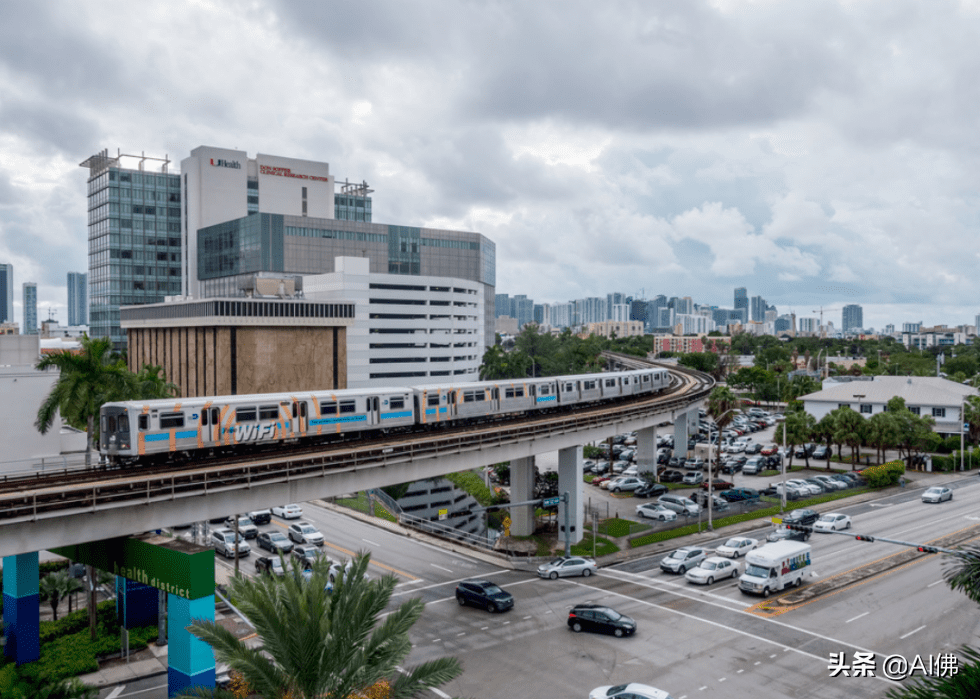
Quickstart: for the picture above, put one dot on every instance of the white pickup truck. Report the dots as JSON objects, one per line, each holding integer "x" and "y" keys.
{"x": 775, "y": 567}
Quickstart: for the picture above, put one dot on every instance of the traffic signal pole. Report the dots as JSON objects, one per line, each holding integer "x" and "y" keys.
{"x": 923, "y": 548}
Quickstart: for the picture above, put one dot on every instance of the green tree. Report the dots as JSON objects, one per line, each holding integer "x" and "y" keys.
{"x": 882, "y": 433}
{"x": 972, "y": 416}
{"x": 54, "y": 587}
{"x": 701, "y": 361}
{"x": 722, "y": 404}
{"x": 824, "y": 431}
{"x": 87, "y": 380}
{"x": 799, "y": 426}
{"x": 850, "y": 431}
{"x": 317, "y": 644}
{"x": 150, "y": 383}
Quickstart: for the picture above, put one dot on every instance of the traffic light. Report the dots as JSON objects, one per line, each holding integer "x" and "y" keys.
{"x": 927, "y": 549}
{"x": 798, "y": 528}
{"x": 862, "y": 537}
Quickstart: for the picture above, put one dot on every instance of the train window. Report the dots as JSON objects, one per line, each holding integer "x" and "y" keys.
{"x": 610, "y": 383}
{"x": 302, "y": 409}
{"x": 544, "y": 390}
{"x": 646, "y": 378}
{"x": 168, "y": 420}
{"x": 473, "y": 396}
{"x": 396, "y": 403}
{"x": 348, "y": 406}
{"x": 245, "y": 414}
{"x": 508, "y": 393}
{"x": 144, "y": 422}
{"x": 328, "y": 408}
{"x": 569, "y": 387}
{"x": 295, "y": 409}
{"x": 268, "y": 412}
{"x": 205, "y": 414}
{"x": 588, "y": 385}
{"x": 110, "y": 425}
{"x": 124, "y": 424}
{"x": 214, "y": 416}
{"x": 432, "y": 400}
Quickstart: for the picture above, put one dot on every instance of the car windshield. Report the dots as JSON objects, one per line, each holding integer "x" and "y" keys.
{"x": 492, "y": 589}
{"x": 277, "y": 536}
{"x": 557, "y": 562}
{"x": 307, "y": 529}
{"x": 828, "y": 518}
{"x": 709, "y": 566}
{"x": 680, "y": 554}
{"x": 757, "y": 571}
{"x": 934, "y": 491}
{"x": 734, "y": 543}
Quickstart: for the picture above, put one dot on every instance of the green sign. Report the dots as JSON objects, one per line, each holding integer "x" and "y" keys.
{"x": 175, "y": 566}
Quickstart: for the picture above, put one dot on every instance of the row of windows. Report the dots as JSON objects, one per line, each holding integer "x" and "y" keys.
{"x": 242, "y": 309}
{"x": 358, "y": 236}
{"x": 867, "y": 409}
{"x": 454, "y": 244}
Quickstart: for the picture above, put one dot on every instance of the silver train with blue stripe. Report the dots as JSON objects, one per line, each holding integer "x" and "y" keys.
{"x": 183, "y": 428}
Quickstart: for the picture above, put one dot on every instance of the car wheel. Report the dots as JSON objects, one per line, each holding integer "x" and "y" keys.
{"x": 615, "y": 490}
{"x": 734, "y": 573}
{"x": 765, "y": 592}
{"x": 553, "y": 575}
{"x": 491, "y": 607}
{"x": 577, "y": 627}
{"x": 460, "y": 600}
{"x": 587, "y": 572}
{"x": 711, "y": 581}
{"x": 683, "y": 570}
{"x": 735, "y": 555}
{"x": 799, "y": 581}
{"x": 618, "y": 633}
{"x": 663, "y": 518}
{"x": 847, "y": 526}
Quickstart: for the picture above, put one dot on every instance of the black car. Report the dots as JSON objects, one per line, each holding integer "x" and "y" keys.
{"x": 732, "y": 467}
{"x": 739, "y": 494}
{"x": 650, "y": 490}
{"x": 820, "y": 453}
{"x": 753, "y": 448}
{"x": 600, "y": 619}
{"x": 671, "y": 476}
{"x": 274, "y": 541}
{"x": 781, "y": 533}
{"x": 260, "y": 516}
{"x": 805, "y": 517}
{"x": 483, "y": 593}
{"x": 270, "y": 565}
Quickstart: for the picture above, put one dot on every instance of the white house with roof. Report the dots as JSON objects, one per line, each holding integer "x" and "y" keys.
{"x": 936, "y": 397}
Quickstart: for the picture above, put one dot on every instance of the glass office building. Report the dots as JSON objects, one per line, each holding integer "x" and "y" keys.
{"x": 134, "y": 238}
{"x": 30, "y": 309}
{"x": 77, "y": 298}
{"x": 6, "y": 293}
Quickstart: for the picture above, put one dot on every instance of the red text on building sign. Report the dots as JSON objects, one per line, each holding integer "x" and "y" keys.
{"x": 286, "y": 172}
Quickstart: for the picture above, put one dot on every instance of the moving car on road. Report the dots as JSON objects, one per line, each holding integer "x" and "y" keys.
{"x": 633, "y": 690}
{"x": 937, "y": 494}
{"x": 832, "y": 522}
{"x": 288, "y": 511}
{"x": 595, "y": 617}
{"x": 270, "y": 565}
{"x": 711, "y": 569}
{"x": 305, "y": 533}
{"x": 565, "y": 567}
{"x": 485, "y": 594}
{"x": 683, "y": 559}
{"x": 276, "y": 542}
{"x": 736, "y": 546}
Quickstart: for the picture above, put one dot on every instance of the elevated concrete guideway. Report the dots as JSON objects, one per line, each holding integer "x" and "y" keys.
{"x": 115, "y": 504}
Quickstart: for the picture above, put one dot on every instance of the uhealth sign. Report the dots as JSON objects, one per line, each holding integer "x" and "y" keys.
{"x": 175, "y": 566}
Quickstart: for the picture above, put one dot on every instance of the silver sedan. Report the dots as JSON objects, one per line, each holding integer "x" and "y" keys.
{"x": 565, "y": 567}
{"x": 937, "y": 494}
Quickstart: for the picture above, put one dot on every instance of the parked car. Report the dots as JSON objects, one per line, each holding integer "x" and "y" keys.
{"x": 276, "y": 542}
{"x": 653, "y": 510}
{"x": 288, "y": 511}
{"x": 683, "y": 559}
{"x": 832, "y": 522}
{"x": 701, "y": 498}
{"x": 270, "y": 565}
{"x": 754, "y": 448}
{"x": 739, "y": 494}
{"x": 718, "y": 484}
{"x": 650, "y": 490}
{"x": 672, "y": 477}
{"x": 769, "y": 450}
{"x": 804, "y": 487}
{"x": 937, "y": 494}
{"x": 754, "y": 465}
{"x": 732, "y": 466}
{"x": 682, "y": 506}
{"x": 831, "y": 482}
{"x": 633, "y": 690}
{"x": 736, "y": 547}
{"x": 627, "y": 484}
{"x": 224, "y": 542}
{"x": 695, "y": 463}
{"x": 485, "y": 594}
{"x": 306, "y": 554}
{"x": 600, "y": 619}
{"x": 711, "y": 569}
{"x": 245, "y": 527}
{"x": 599, "y": 480}
{"x": 820, "y": 453}
{"x": 563, "y": 567}
{"x": 693, "y": 478}
{"x": 260, "y": 516}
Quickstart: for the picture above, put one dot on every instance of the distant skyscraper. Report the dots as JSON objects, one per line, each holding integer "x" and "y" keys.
{"x": 758, "y": 309}
{"x": 742, "y": 300}
{"x": 77, "y": 298}
{"x": 852, "y": 317}
{"x": 911, "y": 327}
{"x": 6, "y": 293}
{"x": 30, "y": 309}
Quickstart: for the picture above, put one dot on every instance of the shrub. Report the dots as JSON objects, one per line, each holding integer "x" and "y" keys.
{"x": 884, "y": 474}
{"x": 472, "y": 484}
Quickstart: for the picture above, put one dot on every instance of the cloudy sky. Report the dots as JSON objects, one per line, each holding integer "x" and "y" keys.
{"x": 818, "y": 153}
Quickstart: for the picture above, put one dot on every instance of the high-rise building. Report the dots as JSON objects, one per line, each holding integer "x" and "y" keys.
{"x": 852, "y": 317}
{"x": 6, "y": 293}
{"x": 809, "y": 325}
{"x": 742, "y": 300}
{"x": 912, "y": 327}
{"x": 30, "y": 309}
{"x": 77, "y": 298}
{"x": 134, "y": 239}
{"x": 614, "y": 299}
{"x": 757, "y": 309}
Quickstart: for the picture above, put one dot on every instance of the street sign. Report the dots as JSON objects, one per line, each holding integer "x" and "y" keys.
{"x": 777, "y": 520}
{"x": 550, "y": 502}
{"x": 443, "y": 514}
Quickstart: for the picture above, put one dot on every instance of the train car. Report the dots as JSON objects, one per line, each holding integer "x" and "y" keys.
{"x": 138, "y": 429}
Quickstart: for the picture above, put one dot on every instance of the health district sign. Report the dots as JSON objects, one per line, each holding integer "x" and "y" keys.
{"x": 175, "y": 566}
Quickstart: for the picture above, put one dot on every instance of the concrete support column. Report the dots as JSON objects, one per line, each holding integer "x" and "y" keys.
{"x": 646, "y": 449}
{"x": 191, "y": 660}
{"x": 570, "y": 480}
{"x": 136, "y": 604}
{"x": 680, "y": 435}
{"x": 521, "y": 489}
{"x": 21, "y": 608}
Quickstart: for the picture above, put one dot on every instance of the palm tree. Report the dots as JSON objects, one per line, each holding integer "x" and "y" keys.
{"x": 722, "y": 403}
{"x": 87, "y": 380}
{"x": 151, "y": 383}
{"x": 54, "y": 587}
{"x": 318, "y": 644}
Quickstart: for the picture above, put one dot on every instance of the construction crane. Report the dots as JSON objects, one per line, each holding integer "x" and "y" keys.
{"x": 823, "y": 330}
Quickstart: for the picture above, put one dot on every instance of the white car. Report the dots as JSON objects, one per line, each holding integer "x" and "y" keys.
{"x": 304, "y": 533}
{"x": 832, "y": 522}
{"x": 653, "y": 510}
{"x": 937, "y": 494}
{"x": 711, "y": 569}
{"x": 736, "y": 547}
{"x": 564, "y": 567}
{"x": 288, "y": 511}
{"x": 633, "y": 690}
{"x": 804, "y": 487}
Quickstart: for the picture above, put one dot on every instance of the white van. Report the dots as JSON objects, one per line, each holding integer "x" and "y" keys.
{"x": 775, "y": 567}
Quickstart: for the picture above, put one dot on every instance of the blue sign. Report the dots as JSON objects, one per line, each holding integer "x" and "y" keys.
{"x": 550, "y": 502}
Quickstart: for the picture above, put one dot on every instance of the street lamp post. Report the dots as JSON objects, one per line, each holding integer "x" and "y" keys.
{"x": 962, "y": 429}
{"x": 710, "y": 470}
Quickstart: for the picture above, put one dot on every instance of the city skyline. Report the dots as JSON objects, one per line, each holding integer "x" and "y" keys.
{"x": 699, "y": 146}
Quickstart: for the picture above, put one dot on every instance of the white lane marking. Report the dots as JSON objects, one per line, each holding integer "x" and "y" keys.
{"x": 461, "y": 633}
{"x": 506, "y": 622}
{"x": 410, "y": 582}
{"x": 438, "y": 692}
{"x": 912, "y": 632}
{"x": 758, "y": 662}
{"x": 436, "y": 640}
{"x": 484, "y": 628}
{"x": 450, "y": 582}
{"x": 740, "y": 672}
{"x": 773, "y": 655}
{"x": 519, "y": 582}
{"x": 935, "y": 583}
{"x": 368, "y": 541}
{"x": 143, "y": 691}
{"x": 855, "y": 618}
{"x": 440, "y": 568}
{"x": 528, "y": 616}
{"x": 722, "y": 679}
{"x": 116, "y": 692}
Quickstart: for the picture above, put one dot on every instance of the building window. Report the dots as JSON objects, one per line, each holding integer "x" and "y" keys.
{"x": 865, "y": 408}
{"x": 939, "y": 412}
{"x": 914, "y": 410}
{"x": 843, "y": 405}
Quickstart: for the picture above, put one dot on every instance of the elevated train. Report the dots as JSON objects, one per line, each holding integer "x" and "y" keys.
{"x": 183, "y": 428}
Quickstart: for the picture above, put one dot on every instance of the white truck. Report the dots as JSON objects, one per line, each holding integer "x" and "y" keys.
{"x": 775, "y": 567}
